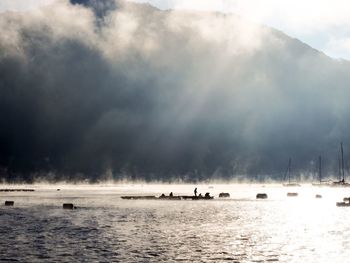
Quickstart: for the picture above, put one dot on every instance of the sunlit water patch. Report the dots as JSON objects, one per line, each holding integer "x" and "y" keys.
{"x": 106, "y": 228}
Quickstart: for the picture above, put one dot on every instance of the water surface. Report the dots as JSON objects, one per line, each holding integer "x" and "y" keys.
{"x": 106, "y": 228}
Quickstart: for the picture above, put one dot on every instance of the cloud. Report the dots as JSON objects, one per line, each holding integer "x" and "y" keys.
{"x": 300, "y": 15}
{"x": 96, "y": 86}
{"x": 314, "y": 22}
{"x": 18, "y": 5}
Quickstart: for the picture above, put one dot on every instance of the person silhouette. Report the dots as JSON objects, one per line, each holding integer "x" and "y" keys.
{"x": 195, "y": 191}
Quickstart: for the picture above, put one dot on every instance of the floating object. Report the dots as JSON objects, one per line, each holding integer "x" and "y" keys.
{"x": 343, "y": 204}
{"x": 164, "y": 197}
{"x": 320, "y": 183}
{"x": 69, "y": 206}
{"x": 261, "y": 196}
{"x": 146, "y": 197}
{"x": 292, "y": 194}
{"x": 169, "y": 197}
{"x": 9, "y": 203}
{"x": 318, "y": 196}
{"x": 224, "y": 195}
{"x": 16, "y": 190}
{"x": 58, "y": 189}
{"x": 198, "y": 197}
{"x": 341, "y": 182}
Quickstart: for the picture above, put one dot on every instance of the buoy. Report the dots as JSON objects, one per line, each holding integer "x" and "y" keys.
{"x": 223, "y": 195}
{"x": 261, "y": 196}
{"x": 68, "y": 206}
{"x": 9, "y": 203}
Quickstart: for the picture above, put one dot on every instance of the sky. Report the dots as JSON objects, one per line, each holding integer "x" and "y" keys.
{"x": 322, "y": 24}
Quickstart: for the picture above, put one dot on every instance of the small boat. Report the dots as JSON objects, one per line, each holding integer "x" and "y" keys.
{"x": 224, "y": 195}
{"x": 292, "y": 194}
{"x": 320, "y": 183}
{"x": 346, "y": 202}
{"x": 343, "y": 204}
{"x": 341, "y": 182}
{"x": 261, "y": 196}
{"x": 288, "y": 171}
{"x": 318, "y": 196}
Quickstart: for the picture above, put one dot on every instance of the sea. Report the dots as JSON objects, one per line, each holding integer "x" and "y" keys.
{"x": 106, "y": 228}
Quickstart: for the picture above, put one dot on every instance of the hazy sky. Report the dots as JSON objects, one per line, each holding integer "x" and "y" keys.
{"x": 323, "y": 24}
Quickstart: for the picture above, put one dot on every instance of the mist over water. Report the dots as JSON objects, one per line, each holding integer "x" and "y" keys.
{"x": 108, "y": 228}
{"x": 103, "y": 89}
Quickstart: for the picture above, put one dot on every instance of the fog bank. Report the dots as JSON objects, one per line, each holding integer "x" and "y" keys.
{"x": 103, "y": 89}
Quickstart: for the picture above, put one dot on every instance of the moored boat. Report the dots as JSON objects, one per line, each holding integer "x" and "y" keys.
{"x": 343, "y": 204}
{"x": 320, "y": 182}
{"x": 288, "y": 172}
{"x": 341, "y": 182}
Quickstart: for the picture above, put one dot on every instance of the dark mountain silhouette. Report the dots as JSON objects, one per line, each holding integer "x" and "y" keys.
{"x": 99, "y": 87}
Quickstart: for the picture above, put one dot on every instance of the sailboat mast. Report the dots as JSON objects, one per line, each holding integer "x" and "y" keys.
{"x": 320, "y": 168}
{"x": 339, "y": 168}
{"x": 342, "y": 161}
{"x": 289, "y": 167}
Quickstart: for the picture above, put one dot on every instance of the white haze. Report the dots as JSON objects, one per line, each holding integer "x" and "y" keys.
{"x": 322, "y": 24}
{"x": 138, "y": 87}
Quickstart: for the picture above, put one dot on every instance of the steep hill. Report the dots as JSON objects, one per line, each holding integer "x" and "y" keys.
{"x": 104, "y": 86}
